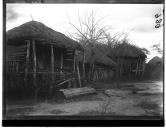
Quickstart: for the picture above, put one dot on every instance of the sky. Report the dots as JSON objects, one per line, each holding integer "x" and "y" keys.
{"x": 138, "y": 20}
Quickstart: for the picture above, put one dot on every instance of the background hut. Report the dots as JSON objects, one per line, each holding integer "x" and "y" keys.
{"x": 154, "y": 68}
{"x": 98, "y": 66}
{"x": 38, "y": 58}
{"x": 130, "y": 60}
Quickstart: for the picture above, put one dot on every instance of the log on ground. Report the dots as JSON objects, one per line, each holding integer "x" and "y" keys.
{"x": 72, "y": 92}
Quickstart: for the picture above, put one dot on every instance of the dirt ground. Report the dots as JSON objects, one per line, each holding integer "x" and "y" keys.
{"x": 126, "y": 99}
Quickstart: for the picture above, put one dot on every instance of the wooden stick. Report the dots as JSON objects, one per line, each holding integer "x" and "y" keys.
{"x": 66, "y": 81}
{"x": 52, "y": 62}
{"x": 78, "y": 73}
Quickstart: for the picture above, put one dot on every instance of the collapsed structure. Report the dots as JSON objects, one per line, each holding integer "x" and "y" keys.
{"x": 130, "y": 61}
{"x": 98, "y": 66}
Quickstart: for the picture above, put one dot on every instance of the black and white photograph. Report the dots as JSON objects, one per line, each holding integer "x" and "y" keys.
{"x": 83, "y": 60}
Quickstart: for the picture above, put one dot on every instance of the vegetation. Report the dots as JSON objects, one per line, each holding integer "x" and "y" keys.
{"x": 102, "y": 47}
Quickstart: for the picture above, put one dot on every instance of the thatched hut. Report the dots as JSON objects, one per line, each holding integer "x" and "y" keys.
{"x": 98, "y": 66}
{"x": 37, "y": 58}
{"x": 130, "y": 60}
{"x": 154, "y": 69}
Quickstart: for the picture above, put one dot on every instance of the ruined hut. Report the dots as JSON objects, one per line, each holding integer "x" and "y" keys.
{"x": 98, "y": 66}
{"x": 130, "y": 60}
{"x": 37, "y": 58}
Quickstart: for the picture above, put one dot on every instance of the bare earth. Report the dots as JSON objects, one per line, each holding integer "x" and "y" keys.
{"x": 128, "y": 99}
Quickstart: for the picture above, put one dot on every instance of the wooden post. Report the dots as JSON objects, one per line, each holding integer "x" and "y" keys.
{"x": 34, "y": 67}
{"x": 74, "y": 61}
{"x": 52, "y": 63}
{"x": 83, "y": 65}
{"x": 92, "y": 70}
{"x": 17, "y": 67}
{"x": 143, "y": 67}
{"x": 27, "y": 60}
{"x": 61, "y": 63}
{"x": 136, "y": 70}
{"x": 117, "y": 69}
{"x": 78, "y": 73}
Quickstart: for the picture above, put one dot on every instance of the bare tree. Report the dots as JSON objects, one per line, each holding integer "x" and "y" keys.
{"x": 157, "y": 48}
{"x": 89, "y": 31}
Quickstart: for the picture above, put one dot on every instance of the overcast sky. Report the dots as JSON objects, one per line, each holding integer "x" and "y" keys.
{"x": 136, "y": 19}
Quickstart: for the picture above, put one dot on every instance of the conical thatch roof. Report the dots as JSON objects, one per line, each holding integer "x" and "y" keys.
{"x": 126, "y": 50}
{"x": 154, "y": 68}
{"x": 96, "y": 54}
{"x": 37, "y": 30}
{"x": 155, "y": 60}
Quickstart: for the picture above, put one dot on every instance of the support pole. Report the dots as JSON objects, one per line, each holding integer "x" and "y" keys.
{"x": 74, "y": 61}
{"x": 137, "y": 69}
{"x": 27, "y": 60}
{"x": 34, "y": 62}
{"x": 74, "y": 66}
{"x": 83, "y": 65}
{"x": 34, "y": 68}
{"x": 52, "y": 63}
{"x": 143, "y": 67}
{"x": 61, "y": 63}
{"x": 79, "y": 78}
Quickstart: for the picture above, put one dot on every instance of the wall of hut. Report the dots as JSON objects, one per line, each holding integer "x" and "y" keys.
{"x": 103, "y": 73}
{"x": 97, "y": 72}
{"x": 129, "y": 68}
{"x": 38, "y": 67}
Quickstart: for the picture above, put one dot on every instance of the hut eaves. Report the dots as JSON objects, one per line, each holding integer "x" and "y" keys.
{"x": 39, "y": 31}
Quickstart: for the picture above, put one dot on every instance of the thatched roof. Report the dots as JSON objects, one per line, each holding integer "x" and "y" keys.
{"x": 126, "y": 50}
{"x": 97, "y": 55}
{"x": 155, "y": 60}
{"x": 38, "y": 31}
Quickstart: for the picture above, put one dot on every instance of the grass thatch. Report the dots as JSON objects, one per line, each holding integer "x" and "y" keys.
{"x": 97, "y": 53}
{"x": 126, "y": 50}
{"x": 155, "y": 60}
{"x": 37, "y": 30}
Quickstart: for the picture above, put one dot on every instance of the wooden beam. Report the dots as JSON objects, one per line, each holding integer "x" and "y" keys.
{"x": 65, "y": 81}
{"x": 27, "y": 59}
{"x": 52, "y": 63}
{"x": 34, "y": 62}
{"x": 61, "y": 63}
